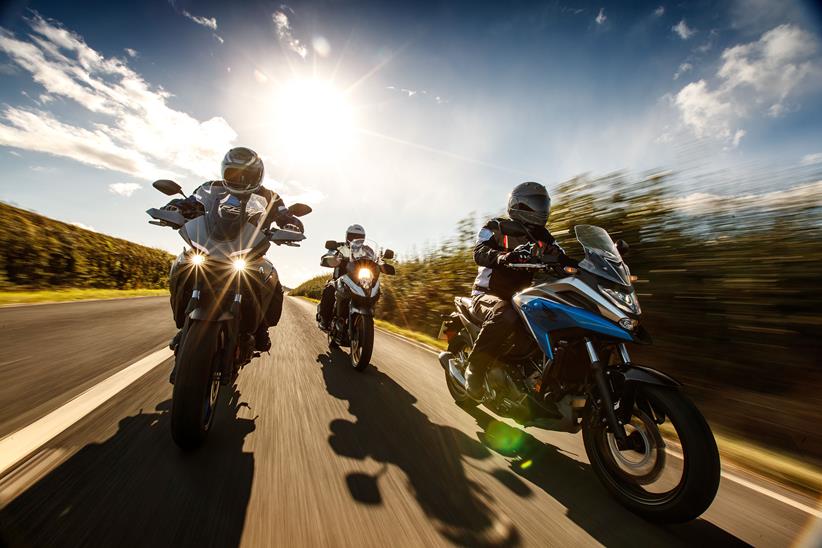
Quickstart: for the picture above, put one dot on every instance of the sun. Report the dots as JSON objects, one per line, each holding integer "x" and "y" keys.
{"x": 315, "y": 121}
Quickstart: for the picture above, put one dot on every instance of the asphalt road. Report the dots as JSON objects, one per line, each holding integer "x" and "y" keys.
{"x": 308, "y": 452}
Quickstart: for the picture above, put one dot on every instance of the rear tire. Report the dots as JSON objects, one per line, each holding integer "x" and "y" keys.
{"x": 459, "y": 347}
{"x": 362, "y": 341}
{"x": 699, "y": 482}
{"x": 194, "y": 399}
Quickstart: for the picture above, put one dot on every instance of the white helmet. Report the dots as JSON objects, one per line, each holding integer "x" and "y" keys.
{"x": 354, "y": 232}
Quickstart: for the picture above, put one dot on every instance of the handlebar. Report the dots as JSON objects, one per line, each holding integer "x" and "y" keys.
{"x": 546, "y": 262}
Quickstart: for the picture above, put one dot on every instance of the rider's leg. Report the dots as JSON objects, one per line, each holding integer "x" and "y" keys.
{"x": 327, "y": 305}
{"x": 272, "y": 315}
{"x": 500, "y": 320}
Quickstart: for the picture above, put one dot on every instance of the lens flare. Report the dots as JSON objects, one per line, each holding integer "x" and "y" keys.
{"x": 197, "y": 259}
{"x": 239, "y": 265}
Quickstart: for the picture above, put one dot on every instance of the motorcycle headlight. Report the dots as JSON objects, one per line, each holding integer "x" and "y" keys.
{"x": 239, "y": 265}
{"x": 365, "y": 277}
{"x": 197, "y": 259}
{"x": 625, "y": 301}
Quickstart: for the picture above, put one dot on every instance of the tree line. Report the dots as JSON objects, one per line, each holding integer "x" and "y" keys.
{"x": 40, "y": 253}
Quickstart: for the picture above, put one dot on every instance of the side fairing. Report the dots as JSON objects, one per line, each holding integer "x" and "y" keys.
{"x": 544, "y": 316}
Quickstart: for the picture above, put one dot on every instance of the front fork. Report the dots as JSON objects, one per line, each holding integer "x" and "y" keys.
{"x": 616, "y": 425}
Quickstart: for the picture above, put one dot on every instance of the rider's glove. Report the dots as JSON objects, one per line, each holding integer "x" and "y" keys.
{"x": 290, "y": 222}
{"x": 513, "y": 257}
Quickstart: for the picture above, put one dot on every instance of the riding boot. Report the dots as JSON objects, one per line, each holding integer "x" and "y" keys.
{"x": 262, "y": 341}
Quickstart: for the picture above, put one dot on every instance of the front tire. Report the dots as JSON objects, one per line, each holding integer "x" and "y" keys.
{"x": 362, "y": 341}
{"x": 196, "y": 388}
{"x": 643, "y": 486}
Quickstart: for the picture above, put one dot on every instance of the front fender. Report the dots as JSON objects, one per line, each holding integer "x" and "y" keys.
{"x": 203, "y": 314}
{"x": 361, "y": 310}
{"x": 637, "y": 374}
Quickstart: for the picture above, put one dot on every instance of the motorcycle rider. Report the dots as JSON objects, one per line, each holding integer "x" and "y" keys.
{"x": 502, "y": 242}
{"x": 353, "y": 232}
{"x": 242, "y": 171}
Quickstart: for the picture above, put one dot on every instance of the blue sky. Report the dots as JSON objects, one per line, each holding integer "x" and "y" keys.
{"x": 400, "y": 116}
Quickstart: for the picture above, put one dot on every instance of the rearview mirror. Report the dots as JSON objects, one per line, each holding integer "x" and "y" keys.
{"x": 388, "y": 254}
{"x": 168, "y": 187}
{"x": 299, "y": 210}
{"x": 388, "y": 269}
{"x": 331, "y": 244}
{"x": 623, "y": 248}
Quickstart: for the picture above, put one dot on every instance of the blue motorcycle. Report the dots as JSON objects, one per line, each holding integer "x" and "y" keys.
{"x": 568, "y": 369}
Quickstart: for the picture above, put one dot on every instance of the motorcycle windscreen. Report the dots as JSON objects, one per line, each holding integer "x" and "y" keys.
{"x": 197, "y": 233}
{"x": 362, "y": 249}
{"x": 601, "y": 255}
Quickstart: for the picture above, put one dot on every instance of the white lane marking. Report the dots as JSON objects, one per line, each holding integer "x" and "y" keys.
{"x": 727, "y": 475}
{"x": 20, "y": 444}
{"x": 412, "y": 342}
{"x": 759, "y": 489}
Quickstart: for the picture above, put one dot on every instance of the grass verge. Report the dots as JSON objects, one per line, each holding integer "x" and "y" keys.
{"x": 784, "y": 469}
{"x": 8, "y": 297}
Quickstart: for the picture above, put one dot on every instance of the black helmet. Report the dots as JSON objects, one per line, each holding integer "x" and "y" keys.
{"x": 242, "y": 170}
{"x": 354, "y": 232}
{"x": 530, "y": 204}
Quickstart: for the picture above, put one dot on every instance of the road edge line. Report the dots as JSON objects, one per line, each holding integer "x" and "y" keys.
{"x": 20, "y": 444}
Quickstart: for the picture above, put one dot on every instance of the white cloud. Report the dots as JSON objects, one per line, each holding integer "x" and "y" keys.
{"x": 42, "y": 169}
{"x": 218, "y": 38}
{"x": 124, "y": 189}
{"x": 601, "y": 17}
{"x": 811, "y": 159}
{"x": 738, "y": 135}
{"x": 683, "y": 30}
{"x": 83, "y": 226}
{"x": 660, "y": 11}
{"x": 683, "y": 68}
{"x": 134, "y": 132}
{"x": 285, "y": 35}
{"x": 756, "y": 77}
{"x": 706, "y": 112}
{"x": 131, "y": 52}
{"x": 14, "y": 153}
{"x": 772, "y": 66}
{"x": 207, "y": 22}
{"x": 700, "y": 203}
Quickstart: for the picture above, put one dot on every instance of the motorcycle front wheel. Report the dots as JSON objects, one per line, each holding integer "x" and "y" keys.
{"x": 670, "y": 472}
{"x": 362, "y": 341}
{"x": 196, "y": 386}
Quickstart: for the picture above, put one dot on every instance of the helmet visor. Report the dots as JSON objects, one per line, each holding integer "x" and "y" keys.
{"x": 531, "y": 209}
{"x": 242, "y": 178}
{"x": 351, "y": 236}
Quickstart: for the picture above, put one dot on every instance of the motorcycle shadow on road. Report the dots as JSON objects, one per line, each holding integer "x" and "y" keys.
{"x": 573, "y": 484}
{"x": 138, "y": 489}
{"x": 391, "y": 430}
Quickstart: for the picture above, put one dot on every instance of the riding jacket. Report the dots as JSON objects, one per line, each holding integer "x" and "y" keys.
{"x": 500, "y": 236}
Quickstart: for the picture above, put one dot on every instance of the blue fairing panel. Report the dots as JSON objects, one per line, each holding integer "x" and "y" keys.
{"x": 545, "y": 316}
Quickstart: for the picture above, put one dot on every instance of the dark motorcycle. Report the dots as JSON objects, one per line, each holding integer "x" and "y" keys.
{"x": 569, "y": 370}
{"x": 357, "y": 292}
{"x": 220, "y": 289}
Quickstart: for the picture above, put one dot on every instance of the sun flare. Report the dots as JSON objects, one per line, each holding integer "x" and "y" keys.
{"x": 316, "y": 122}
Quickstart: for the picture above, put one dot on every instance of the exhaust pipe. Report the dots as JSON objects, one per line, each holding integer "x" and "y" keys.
{"x": 444, "y": 357}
